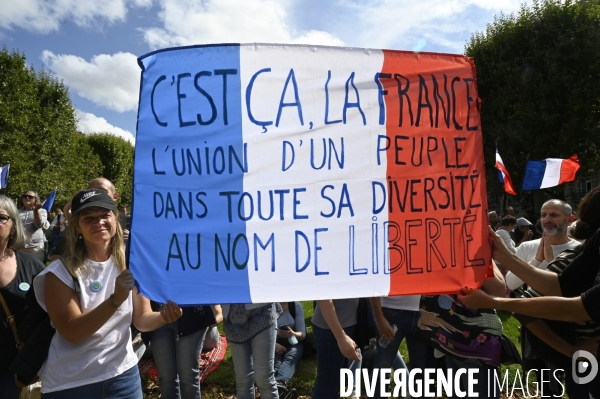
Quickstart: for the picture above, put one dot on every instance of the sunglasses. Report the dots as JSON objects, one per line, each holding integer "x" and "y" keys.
{"x": 27, "y": 196}
{"x": 4, "y": 219}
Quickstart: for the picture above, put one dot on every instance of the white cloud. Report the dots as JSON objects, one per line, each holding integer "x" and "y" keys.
{"x": 142, "y": 3}
{"x": 367, "y": 23}
{"x": 111, "y": 81}
{"x": 399, "y": 24}
{"x": 448, "y": 23}
{"x": 44, "y": 16}
{"x": 228, "y": 21}
{"x": 90, "y": 123}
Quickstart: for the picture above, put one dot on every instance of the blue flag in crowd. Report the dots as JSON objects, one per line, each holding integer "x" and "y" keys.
{"x": 4, "y": 175}
{"x": 49, "y": 201}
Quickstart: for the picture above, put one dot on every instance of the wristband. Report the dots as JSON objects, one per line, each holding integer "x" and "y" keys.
{"x": 112, "y": 302}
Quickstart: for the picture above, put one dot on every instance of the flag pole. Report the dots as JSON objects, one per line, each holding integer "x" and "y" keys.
{"x": 500, "y": 187}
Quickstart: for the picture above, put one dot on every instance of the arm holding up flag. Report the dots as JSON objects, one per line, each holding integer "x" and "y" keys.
{"x": 39, "y": 218}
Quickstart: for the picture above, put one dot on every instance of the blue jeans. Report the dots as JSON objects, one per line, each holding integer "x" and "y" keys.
{"x": 406, "y": 321}
{"x": 124, "y": 386}
{"x": 329, "y": 363}
{"x": 211, "y": 339}
{"x": 8, "y": 389}
{"x": 176, "y": 359}
{"x": 254, "y": 359}
{"x": 481, "y": 388}
{"x": 285, "y": 365}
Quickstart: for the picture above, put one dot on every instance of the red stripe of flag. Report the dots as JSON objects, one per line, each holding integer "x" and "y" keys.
{"x": 569, "y": 169}
{"x": 508, "y": 186}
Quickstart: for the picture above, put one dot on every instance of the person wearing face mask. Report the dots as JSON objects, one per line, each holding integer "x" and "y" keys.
{"x": 33, "y": 217}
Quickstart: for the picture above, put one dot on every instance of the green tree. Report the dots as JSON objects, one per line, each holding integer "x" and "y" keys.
{"x": 538, "y": 75}
{"x": 116, "y": 154}
{"x": 38, "y": 135}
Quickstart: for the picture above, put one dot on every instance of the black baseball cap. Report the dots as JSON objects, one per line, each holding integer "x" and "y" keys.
{"x": 92, "y": 197}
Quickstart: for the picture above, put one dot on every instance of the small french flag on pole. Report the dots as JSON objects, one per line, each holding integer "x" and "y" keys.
{"x": 4, "y": 176}
{"x": 503, "y": 175}
{"x": 550, "y": 172}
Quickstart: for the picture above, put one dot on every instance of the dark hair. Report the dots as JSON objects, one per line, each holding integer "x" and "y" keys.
{"x": 508, "y": 220}
{"x": 588, "y": 220}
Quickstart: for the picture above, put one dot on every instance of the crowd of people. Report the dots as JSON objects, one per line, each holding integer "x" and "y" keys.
{"x": 544, "y": 270}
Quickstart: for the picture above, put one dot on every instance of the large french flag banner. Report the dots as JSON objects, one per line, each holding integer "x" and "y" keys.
{"x": 271, "y": 172}
{"x": 550, "y": 172}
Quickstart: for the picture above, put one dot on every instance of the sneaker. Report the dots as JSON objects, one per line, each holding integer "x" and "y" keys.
{"x": 291, "y": 394}
{"x": 282, "y": 389}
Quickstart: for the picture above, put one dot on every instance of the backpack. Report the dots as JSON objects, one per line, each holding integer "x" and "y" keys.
{"x": 36, "y": 333}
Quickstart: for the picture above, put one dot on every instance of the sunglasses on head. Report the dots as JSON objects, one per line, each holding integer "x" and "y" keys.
{"x": 27, "y": 196}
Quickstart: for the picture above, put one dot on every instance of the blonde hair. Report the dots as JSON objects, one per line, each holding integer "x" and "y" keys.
{"x": 75, "y": 252}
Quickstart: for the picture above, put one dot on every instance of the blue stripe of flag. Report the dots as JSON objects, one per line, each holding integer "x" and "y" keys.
{"x": 190, "y": 114}
{"x": 500, "y": 177}
{"x": 49, "y": 201}
{"x": 534, "y": 174}
{"x": 4, "y": 176}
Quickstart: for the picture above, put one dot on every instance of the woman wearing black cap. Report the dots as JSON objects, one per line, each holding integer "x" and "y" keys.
{"x": 88, "y": 295}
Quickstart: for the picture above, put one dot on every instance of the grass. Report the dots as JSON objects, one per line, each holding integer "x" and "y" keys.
{"x": 220, "y": 384}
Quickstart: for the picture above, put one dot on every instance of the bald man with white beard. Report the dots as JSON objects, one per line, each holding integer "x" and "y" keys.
{"x": 556, "y": 216}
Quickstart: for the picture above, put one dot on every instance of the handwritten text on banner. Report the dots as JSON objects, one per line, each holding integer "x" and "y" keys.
{"x": 280, "y": 172}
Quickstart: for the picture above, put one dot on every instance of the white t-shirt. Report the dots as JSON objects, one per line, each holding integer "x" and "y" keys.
{"x": 405, "y": 302}
{"x": 527, "y": 250}
{"x": 103, "y": 355}
{"x": 508, "y": 241}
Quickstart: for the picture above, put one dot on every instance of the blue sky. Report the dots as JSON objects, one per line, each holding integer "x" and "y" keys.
{"x": 92, "y": 45}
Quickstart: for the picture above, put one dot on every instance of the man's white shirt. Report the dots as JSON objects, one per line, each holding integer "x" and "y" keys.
{"x": 527, "y": 250}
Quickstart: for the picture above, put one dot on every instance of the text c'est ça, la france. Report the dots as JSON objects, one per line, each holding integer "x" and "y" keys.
{"x": 438, "y": 96}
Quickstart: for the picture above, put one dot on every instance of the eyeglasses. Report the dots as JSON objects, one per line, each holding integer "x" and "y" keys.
{"x": 27, "y": 196}
{"x": 4, "y": 219}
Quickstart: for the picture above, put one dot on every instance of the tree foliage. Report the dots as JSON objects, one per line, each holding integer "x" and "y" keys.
{"x": 538, "y": 75}
{"x": 38, "y": 135}
{"x": 116, "y": 155}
